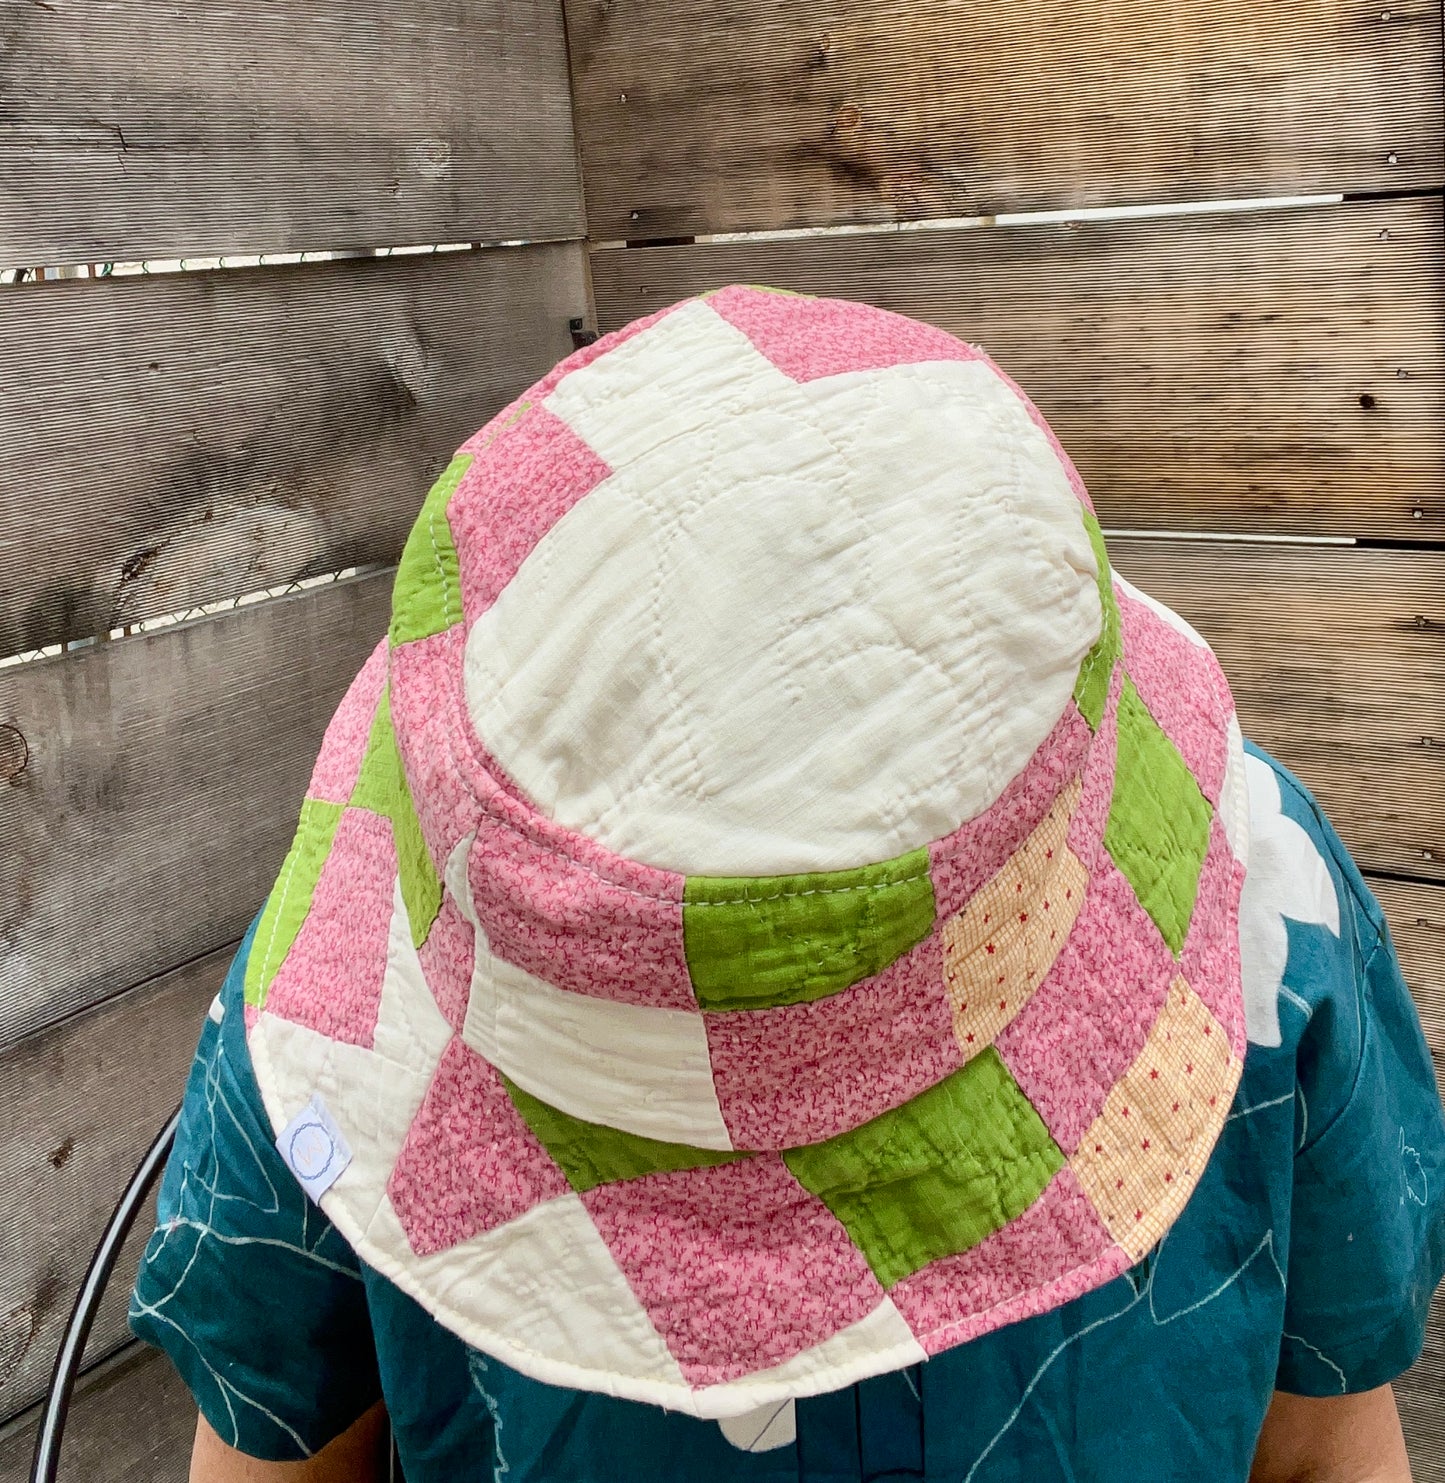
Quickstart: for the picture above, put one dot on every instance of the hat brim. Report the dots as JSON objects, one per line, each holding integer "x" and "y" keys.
{"x": 1040, "y": 1157}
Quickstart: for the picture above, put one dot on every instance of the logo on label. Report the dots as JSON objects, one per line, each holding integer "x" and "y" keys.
{"x": 314, "y": 1149}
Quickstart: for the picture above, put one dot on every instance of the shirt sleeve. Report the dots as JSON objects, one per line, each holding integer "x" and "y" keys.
{"x": 1367, "y": 1237}
{"x": 245, "y": 1284}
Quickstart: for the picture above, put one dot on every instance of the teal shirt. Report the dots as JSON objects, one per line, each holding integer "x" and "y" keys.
{"x": 1305, "y": 1261}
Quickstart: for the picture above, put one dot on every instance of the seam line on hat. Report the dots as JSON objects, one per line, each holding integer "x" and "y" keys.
{"x": 441, "y": 570}
{"x": 902, "y": 880}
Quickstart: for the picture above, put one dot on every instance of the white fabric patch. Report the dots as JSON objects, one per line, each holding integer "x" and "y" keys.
{"x": 755, "y": 648}
{"x": 499, "y": 1292}
{"x": 1234, "y": 796}
{"x": 876, "y": 1344}
{"x": 314, "y": 1148}
{"x": 763, "y": 1430}
{"x": 410, "y": 1028}
{"x": 629, "y": 1066}
{"x": 217, "y": 1012}
{"x": 372, "y": 1095}
{"x": 1287, "y": 877}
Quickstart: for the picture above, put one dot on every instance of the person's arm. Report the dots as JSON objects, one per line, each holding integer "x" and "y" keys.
{"x": 358, "y": 1455}
{"x": 1332, "y": 1439}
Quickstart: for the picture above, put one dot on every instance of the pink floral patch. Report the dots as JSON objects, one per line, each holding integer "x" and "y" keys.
{"x": 1089, "y": 1018}
{"x": 1059, "y": 1235}
{"x": 810, "y": 338}
{"x": 1210, "y": 960}
{"x": 1091, "y": 817}
{"x": 469, "y": 1163}
{"x": 446, "y": 957}
{"x": 331, "y": 978}
{"x": 1184, "y": 689}
{"x": 615, "y": 936}
{"x": 800, "y": 1073}
{"x": 738, "y": 1266}
{"x": 425, "y": 711}
{"x": 348, "y": 731}
{"x": 520, "y": 485}
{"x": 975, "y": 851}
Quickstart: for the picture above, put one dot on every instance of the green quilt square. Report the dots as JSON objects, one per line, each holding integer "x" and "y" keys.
{"x": 381, "y": 786}
{"x": 290, "y": 899}
{"x": 1091, "y": 689}
{"x": 936, "y": 1176}
{"x": 590, "y": 1154}
{"x": 426, "y": 596}
{"x": 753, "y": 942}
{"x": 1158, "y": 828}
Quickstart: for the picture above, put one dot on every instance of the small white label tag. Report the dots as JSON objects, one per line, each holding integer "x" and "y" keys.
{"x": 314, "y": 1150}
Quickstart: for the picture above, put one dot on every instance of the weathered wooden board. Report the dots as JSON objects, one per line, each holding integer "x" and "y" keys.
{"x": 152, "y": 128}
{"x": 1336, "y": 656}
{"x": 698, "y": 116}
{"x": 164, "y": 777}
{"x": 81, "y": 1102}
{"x": 1270, "y": 371}
{"x": 131, "y": 1421}
{"x": 1416, "y": 911}
{"x": 1418, "y": 1394}
{"x": 180, "y": 439}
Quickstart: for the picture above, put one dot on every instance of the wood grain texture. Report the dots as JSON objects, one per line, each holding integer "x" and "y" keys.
{"x": 1272, "y": 371}
{"x": 82, "y": 1101}
{"x": 724, "y": 115}
{"x": 1336, "y": 657}
{"x": 164, "y": 778}
{"x": 132, "y": 1421}
{"x": 208, "y": 127}
{"x": 1418, "y": 1394}
{"x": 1416, "y": 912}
{"x": 177, "y": 440}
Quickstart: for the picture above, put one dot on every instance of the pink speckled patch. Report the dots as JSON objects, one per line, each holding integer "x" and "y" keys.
{"x": 1184, "y": 689}
{"x": 425, "y": 681}
{"x": 1086, "y": 828}
{"x": 1060, "y": 1234}
{"x": 344, "y": 744}
{"x": 447, "y": 957}
{"x": 550, "y": 900}
{"x": 810, "y": 338}
{"x": 469, "y": 1163}
{"x": 613, "y": 938}
{"x": 738, "y": 1266}
{"x": 1210, "y": 960}
{"x": 520, "y": 485}
{"x": 800, "y": 1073}
{"x": 331, "y": 978}
{"x": 1089, "y": 1018}
{"x": 974, "y": 853}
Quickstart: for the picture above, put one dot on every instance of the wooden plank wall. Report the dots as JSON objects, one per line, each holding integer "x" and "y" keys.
{"x": 184, "y": 438}
{"x": 1255, "y": 395}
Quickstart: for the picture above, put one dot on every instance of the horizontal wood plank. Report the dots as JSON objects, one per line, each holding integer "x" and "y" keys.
{"x": 1416, "y": 912}
{"x": 726, "y": 115}
{"x": 82, "y": 1101}
{"x": 206, "y": 128}
{"x": 161, "y": 790}
{"x": 181, "y": 439}
{"x": 1418, "y": 1393}
{"x": 132, "y": 1421}
{"x": 1278, "y": 371}
{"x": 1336, "y": 656}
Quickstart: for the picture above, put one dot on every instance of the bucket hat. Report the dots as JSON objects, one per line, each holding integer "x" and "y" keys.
{"x": 767, "y": 912}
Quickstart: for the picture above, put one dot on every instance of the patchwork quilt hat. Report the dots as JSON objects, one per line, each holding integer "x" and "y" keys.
{"x": 767, "y": 911}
